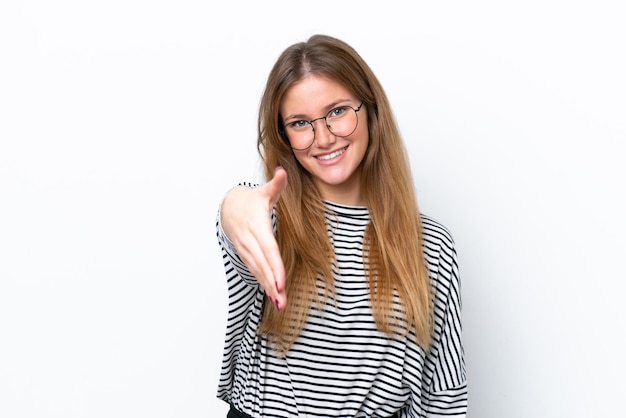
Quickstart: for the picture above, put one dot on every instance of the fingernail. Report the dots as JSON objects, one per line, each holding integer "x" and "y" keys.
{"x": 277, "y": 305}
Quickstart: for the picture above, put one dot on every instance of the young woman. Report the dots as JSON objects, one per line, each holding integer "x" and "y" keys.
{"x": 344, "y": 300}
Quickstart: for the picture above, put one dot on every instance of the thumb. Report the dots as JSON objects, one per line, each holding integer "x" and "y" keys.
{"x": 277, "y": 184}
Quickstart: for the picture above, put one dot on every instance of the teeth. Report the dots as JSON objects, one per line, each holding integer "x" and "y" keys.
{"x": 332, "y": 155}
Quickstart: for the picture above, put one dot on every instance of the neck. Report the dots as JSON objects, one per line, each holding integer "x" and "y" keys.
{"x": 345, "y": 194}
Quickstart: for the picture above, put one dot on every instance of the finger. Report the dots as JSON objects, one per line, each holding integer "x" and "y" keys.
{"x": 273, "y": 268}
{"x": 259, "y": 254}
{"x": 278, "y": 274}
{"x": 276, "y": 185}
{"x": 279, "y": 183}
{"x": 259, "y": 250}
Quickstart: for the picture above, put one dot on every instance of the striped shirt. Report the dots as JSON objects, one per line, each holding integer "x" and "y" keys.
{"x": 341, "y": 365}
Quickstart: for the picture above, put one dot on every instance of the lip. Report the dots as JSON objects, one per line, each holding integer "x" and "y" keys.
{"x": 333, "y": 160}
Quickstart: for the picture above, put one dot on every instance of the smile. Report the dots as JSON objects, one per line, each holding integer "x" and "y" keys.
{"x": 332, "y": 154}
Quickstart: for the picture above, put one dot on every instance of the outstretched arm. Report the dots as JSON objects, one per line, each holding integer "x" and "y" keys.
{"x": 245, "y": 218}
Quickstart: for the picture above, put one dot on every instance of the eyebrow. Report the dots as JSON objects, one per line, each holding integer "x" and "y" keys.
{"x": 329, "y": 107}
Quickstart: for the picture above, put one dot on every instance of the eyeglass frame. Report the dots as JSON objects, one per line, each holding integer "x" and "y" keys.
{"x": 310, "y": 122}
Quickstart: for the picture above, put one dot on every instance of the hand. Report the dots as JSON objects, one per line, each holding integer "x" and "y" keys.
{"x": 245, "y": 216}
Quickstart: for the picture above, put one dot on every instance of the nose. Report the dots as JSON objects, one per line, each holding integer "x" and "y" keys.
{"x": 323, "y": 136}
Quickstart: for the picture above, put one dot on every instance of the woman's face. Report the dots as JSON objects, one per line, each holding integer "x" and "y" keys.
{"x": 333, "y": 161}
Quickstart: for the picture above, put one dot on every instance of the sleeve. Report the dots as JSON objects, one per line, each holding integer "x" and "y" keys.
{"x": 245, "y": 298}
{"x": 447, "y": 393}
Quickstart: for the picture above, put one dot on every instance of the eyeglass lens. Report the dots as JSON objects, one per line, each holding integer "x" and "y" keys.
{"x": 340, "y": 121}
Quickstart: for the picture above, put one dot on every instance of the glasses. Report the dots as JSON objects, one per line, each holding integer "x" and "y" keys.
{"x": 340, "y": 121}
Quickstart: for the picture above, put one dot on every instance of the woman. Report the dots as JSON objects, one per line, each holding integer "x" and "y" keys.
{"x": 344, "y": 300}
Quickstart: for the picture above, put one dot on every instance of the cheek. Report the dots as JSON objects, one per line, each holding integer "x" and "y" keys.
{"x": 364, "y": 146}
{"x": 300, "y": 158}
{"x": 363, "y": 132}
{"x": 364, "y": 138}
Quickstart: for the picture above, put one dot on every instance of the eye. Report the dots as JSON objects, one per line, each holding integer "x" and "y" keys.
{"x": 337, "y": 112}
{"x": 297, "y": 125}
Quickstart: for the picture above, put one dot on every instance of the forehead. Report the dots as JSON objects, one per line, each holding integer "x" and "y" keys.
{"x": 313, "y": 94}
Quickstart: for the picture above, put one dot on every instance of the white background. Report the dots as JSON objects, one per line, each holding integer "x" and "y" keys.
{"x": 123, "y": 123}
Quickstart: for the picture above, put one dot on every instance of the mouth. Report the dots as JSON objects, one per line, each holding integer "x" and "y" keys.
{"x": 332, "y": 154}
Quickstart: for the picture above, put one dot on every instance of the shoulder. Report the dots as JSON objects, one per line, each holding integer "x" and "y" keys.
{"x": 248, "y": 184}
{"x": 435, "y": 233}
{"x": 440, "y": 255}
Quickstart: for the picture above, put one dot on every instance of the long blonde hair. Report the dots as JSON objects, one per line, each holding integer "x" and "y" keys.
{"x": 393, "y": 237}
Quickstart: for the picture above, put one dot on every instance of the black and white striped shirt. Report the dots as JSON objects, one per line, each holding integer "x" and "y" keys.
{"x": 341, "y": 365}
